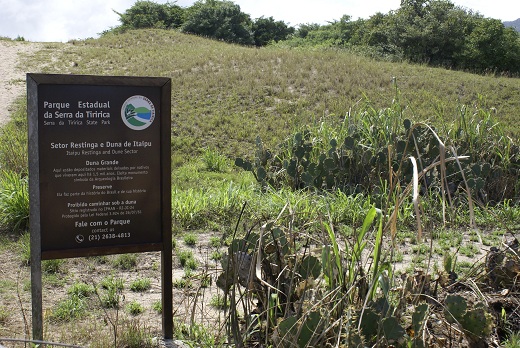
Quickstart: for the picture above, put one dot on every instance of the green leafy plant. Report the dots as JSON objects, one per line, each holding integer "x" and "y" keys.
{"x": 134, "y": 334}
{"x": 111, "y": 296}
{"x": 70, "y": 308}
{"x": 475, "y": 320}
{"x": 75, "y": 304}
{"x": 24, "y": 248}
{"x": 157, "y": 306}
{"x": 125, "y": 261}
{"x": 141, "y": 284}
{"x": 52, "y": 266}
{"x": 216, "y": 255}
{"x": 13, "y": 140}
{"x": 214, "y": 161}
{"x": 219, "y": 302}
{"x": 182, "y": 283}
{"x": 190, "y": 239}
{"x": 354, "y": 158}
{"x": 186, "y": 259}
{"x": 280, "y": 270}
{"x": 4, "y": 315}
{"x": 134, "y": 308}
{"x": 215, "y": 242}
{"x": 191, "y": 264}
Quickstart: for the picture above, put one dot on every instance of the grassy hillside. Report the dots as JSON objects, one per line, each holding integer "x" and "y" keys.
{"x": 225, "y": 95}
{"x": 328, "y": 254}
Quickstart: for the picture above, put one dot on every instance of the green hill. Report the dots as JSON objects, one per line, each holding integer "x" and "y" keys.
{"x": 324, "y": 250}
{"x": 224, "y": 95}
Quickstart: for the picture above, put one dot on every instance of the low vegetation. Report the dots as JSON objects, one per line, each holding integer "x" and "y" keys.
{"x": 434, "y": 32}
{"x": 319, "y": 199}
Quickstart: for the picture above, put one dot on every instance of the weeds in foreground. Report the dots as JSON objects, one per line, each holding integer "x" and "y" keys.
{"x": 125, "y": 261}
{"x": 331, "y": 288}
{"x": 141, "y": 285}
{"x": 190, "y": 239}
{"x": 135, "y": 334}
{"x": 70, "y": 308}
{"x": 134, "y": 308}
{"x": 318, "y": 287}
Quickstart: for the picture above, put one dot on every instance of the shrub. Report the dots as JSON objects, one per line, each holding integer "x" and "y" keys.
{"x": 70, "y": 308}
{"x": 157, "y": 306}
{"x": 135, "y": 308}
{"x": 111, "y": 296}
{"x": 52, "y": 266}
{"x": 185, "y": 256}
{"x": 215, "y": 242}
{"x": 125, "y": 261}
{"x": 81, "y": 290}
{"x": 140, "y": 285}
{"x": 190, "y": 239}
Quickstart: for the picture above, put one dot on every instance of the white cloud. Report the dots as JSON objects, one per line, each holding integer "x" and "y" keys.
{"x": 59, "y": 20}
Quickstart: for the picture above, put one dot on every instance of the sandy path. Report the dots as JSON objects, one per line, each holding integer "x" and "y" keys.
{"x": 12, "y": 73}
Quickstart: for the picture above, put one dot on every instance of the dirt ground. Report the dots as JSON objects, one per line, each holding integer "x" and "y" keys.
{"x": 12, "y": 73}
{"x": 188, "y": 304}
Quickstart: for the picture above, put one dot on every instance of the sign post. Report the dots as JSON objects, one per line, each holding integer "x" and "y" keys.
{"x": 99, "y": 173}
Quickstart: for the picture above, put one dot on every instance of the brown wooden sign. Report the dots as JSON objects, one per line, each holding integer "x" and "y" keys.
{"x": 99, "y": 172}
{"x": 103, "y": 171}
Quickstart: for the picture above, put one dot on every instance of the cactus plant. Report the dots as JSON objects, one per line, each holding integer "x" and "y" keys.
{"x": 476, "y": 322}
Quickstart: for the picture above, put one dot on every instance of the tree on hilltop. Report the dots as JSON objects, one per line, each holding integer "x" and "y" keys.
{"x": 221, "y": 20}
{"x": 267, "y": 30}
{"x": 148, "y": 14}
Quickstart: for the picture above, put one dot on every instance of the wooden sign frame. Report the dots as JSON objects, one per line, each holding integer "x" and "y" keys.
{"x": 99, "y": 173}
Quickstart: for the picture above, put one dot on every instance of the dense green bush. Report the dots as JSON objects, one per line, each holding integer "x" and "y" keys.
{"x": 266, "y": 30}
{"x": 221, "y": 20}
{"x": 434, "y": 32}
{"x": 148, "y": 14}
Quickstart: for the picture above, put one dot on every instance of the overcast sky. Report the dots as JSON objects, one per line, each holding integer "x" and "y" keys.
{"x": 64, "y": 20}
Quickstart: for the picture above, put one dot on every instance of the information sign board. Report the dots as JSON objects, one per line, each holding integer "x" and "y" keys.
{"x": 103, "y": 149}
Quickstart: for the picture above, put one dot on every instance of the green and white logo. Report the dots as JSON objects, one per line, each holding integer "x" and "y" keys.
{"x": 138, "y": 112}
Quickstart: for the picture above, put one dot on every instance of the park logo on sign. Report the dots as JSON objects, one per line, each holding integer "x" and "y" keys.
{"x": 138, "y": 112}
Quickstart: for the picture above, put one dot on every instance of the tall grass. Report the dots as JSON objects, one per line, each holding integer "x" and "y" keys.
{"x": 13, "y": 141}
{"x": 226, "y": 95}
{"x": 14, "y": 201}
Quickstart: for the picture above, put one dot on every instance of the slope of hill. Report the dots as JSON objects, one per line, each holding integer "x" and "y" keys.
{"x": 515, "y": 24}
{"x": 12, "y": 75}
{"x": 225, "y": 95}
